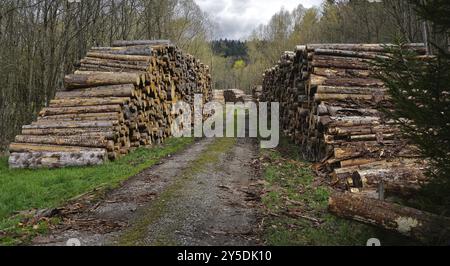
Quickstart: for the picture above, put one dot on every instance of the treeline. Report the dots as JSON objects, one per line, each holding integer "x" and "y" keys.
{"x": 336, "y": 21}
{"x": 41, "y": 40}
{"x": 230, "y": 58}
{"x": 229, "y": 48}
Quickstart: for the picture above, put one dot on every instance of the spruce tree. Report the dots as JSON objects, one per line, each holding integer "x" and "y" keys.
{"x": 420, "y": 90}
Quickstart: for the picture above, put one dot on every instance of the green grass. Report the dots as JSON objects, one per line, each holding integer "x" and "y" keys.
{"x": 291, "y": 188}
{"x": 25, "y": 189}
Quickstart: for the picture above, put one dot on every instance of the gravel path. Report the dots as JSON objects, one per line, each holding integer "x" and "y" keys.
{"x": 205, "y": 195}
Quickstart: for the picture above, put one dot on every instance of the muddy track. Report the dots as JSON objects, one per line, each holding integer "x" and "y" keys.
{"x": 205, "y": 195}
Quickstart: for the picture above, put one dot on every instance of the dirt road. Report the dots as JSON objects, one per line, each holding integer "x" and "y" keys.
{"x": 206, "y": 195}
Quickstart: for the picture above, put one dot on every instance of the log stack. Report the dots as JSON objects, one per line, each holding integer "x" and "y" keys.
{"x": 256, "y": 93}
{"x": 236, "y": 95}
{"x": 120, "y": 98}
{"x": 330, "y": 105}
{"x": 218, "y": 96}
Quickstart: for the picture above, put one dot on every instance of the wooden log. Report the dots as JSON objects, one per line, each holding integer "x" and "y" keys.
{"x": 362, "y": 130}
{"x": 316, "y": 80}
{"x": 357, "y": 161}
{"x": 127, "y": 58}
{"x": 96, "y": 141}
{"x": 380, "y": 138}
{"x": 141, "y": 42}
{"x": 410, "y": 222}
{"x": 130, "y": 50}
{"x": 363, "y": 47}
{"x": 70, "y": 124}
{"x": 54, "y": 159}
{"x": 352, "y": 121}
{"x": 347, "y": 53}
{"x": 373, "y": 149}
{"x": 92, "y": 101}
{"x": 115, "y": 69}
{"x": 342, "y": 73}
{"x": 404, "y": 181}
{"x": 340, "y": 62}
{"x": 371, "y": 137}
{"x": 83, "y": 117}
{"x": 350, "y": 90}
{"x": 331, "y": 109}
{"x": 125, "y": 90}
{"x": 379, "y": 163}
{"x": 89, "y": 131}
{"x": 80, "y": 110}
{"x": 140, "y": 65}
{"x": 26, "y": 147}
{"x": 318, "y": 97}
{"x": 76, "y": 81}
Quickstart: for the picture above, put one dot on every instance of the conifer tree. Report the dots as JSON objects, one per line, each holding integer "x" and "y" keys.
{"x": 420, "y": 90}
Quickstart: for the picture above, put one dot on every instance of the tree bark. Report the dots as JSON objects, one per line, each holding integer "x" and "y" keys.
{"x": 125, "y": 90}
{"x": 75, "y": 140}
{"x": 76, "y": 81}
{"x": 410, "y": 222}
{"x": 119, "y": 57}
{"x": 92, "y": 101}
{"x": 70, "y": 124}
{"x": 57, "y": 159}
{"x": 48, "y": 111}
{"x": 141, "y": 42}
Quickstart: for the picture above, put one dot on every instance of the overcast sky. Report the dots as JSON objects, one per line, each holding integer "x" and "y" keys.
{"x": 237, "y": 18}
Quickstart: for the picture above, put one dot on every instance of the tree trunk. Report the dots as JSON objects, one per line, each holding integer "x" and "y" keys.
{"x": 48, "y": 111}
{"x": 141, "y": 42}
{"x": 42, "y": 124}
{"x": 57, "y": 159}
{"x": 410, "y": 222}
{"x": 76, "y": 81}
{"x": 92, "y": 101}
{"x": 125, "y": 90}
{"x": 119, "y": 57}
{"x": 75, "y": 140}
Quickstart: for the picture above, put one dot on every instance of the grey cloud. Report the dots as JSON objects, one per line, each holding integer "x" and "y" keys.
{"x": 212, "y": 7}
{"x": 236, "y": 19}
{"x": 239, "y": 6}
{"x": 233, "y": 28}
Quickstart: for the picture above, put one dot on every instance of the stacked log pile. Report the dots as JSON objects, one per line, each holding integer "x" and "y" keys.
{"x": 218, "y": 96}
{"x": 120, "y": 98}
{"x": 256, "y": 93}
{"x": 331, "y": 105}
{"x": 285, "y": 83}
{"x": 236, "y": 95}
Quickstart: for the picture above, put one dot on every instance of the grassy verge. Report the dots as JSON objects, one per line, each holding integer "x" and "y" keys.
{"x": 297, "y": 202}
{"x": 24, "y": 189}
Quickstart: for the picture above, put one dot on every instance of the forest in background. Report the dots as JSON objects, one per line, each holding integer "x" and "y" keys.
{"x": 335, "y": 21}
{"x": 41, "y": 41}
